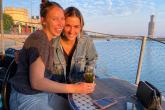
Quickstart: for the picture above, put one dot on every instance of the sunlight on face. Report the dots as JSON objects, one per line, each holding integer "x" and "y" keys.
{"x": 72, "y": 27}
{"x": 54, "y": 21}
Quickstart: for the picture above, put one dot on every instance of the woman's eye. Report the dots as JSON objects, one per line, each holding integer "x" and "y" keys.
{"x": 76, "y": 27}
{"x": 67, "y": 26}
{"x": 54, "y": 19}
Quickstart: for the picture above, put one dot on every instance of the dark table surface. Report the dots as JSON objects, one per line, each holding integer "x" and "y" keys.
{"x": 119, "y": 89}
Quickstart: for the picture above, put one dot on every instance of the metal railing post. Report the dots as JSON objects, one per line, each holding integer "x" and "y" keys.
{"x": 140, "y": 60}
{"x": 1, "y": 27}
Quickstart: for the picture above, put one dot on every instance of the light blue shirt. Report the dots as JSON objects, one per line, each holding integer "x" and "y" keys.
{"x": 84, "y": 57}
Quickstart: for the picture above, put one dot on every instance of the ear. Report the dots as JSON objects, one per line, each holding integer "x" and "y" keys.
{"x": 43, "y": 21}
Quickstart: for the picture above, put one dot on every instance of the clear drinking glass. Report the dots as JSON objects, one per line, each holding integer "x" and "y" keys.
{"x": 89, "y": 75}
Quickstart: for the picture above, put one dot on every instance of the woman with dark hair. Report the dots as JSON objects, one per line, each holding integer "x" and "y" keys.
{"x": 74, "y": 54}
{"x": 32, "y": 87}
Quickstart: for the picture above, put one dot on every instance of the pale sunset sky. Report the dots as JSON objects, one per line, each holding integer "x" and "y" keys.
{"x": 125, "y": 17}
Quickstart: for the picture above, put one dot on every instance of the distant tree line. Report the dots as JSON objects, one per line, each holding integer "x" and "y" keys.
{"x": 8, "y": 23}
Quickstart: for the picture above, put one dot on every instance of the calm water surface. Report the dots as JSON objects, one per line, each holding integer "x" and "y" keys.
{"x": 119, "y": 58}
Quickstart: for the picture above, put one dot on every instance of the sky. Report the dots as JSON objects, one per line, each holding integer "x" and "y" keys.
{"x": 119, "y": 17}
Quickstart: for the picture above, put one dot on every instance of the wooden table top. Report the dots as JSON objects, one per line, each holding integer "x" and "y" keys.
{"x": 116, "y": 88}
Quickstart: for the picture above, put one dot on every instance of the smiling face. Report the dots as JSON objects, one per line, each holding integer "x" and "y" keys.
{"x": 72, "y": 27}
{"x": 54, "y": 21}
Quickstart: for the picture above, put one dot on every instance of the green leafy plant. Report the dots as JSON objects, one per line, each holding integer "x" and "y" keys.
{"x": 7, "y": 23}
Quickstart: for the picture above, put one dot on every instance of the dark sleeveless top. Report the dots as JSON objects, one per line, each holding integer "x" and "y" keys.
{"x": 37, "y": 44}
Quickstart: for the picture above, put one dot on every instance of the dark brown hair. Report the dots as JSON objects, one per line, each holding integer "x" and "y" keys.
{"x": 46, "y": 5}
{"x": 73, "y": 11}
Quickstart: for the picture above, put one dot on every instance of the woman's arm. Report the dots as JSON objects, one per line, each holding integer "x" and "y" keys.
{"x": 39, "y": 82}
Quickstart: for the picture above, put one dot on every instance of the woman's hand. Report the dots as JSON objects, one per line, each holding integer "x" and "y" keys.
{"x": 81, "y": 87}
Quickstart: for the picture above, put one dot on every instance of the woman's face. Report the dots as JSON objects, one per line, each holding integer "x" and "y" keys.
{"x": 72, "y": 27}
{"x": 54, "y": 21}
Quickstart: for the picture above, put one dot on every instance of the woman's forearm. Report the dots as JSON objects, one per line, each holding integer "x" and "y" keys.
{"x": 55, "y": 87}
{"x": 48, "y": 85}
{"x": 39, "y": 82}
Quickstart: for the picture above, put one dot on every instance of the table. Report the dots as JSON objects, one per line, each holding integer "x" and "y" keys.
{"x": 108, "y": 87}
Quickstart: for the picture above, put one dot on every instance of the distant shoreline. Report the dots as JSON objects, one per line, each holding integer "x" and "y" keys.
{"x": 22, "y": 36}
{"x": 16, "y": 41}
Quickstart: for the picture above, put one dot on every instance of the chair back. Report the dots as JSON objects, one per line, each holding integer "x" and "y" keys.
{"x": 5, "y": 91}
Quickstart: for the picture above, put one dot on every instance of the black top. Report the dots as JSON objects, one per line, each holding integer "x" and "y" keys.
{"x": 68, "y": 59}
{"x": 36, "y": 45}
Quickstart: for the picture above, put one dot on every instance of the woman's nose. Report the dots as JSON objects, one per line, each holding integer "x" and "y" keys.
{"x": 71, "y": 30}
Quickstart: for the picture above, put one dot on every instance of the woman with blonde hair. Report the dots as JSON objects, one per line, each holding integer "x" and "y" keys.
{"x": 74, "y": 53}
